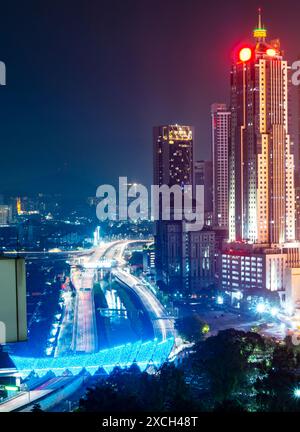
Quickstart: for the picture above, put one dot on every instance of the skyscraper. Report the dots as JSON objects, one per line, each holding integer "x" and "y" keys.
{"x": 184, "y": 260}
{"x": 261, "y": 253}
{"x": 261, "y": 164}
{"x": 220, "y": 116}
{"x": 203, "y": 173}
{"x": 173, "y": 165}
{"x": 173, "y": 155}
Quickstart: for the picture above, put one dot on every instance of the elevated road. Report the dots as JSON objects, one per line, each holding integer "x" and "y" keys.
{"x": 163, "y": 325}
{"x": 85, "y": 329}
{"x": 85, "y": 338}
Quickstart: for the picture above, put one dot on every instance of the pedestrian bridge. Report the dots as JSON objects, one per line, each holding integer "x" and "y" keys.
{"x": 141, "y": 353}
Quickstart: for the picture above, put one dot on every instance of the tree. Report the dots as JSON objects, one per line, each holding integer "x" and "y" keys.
{"x": 275, "y": 392}
{"x": 36, "y": 408}
{"x": 275, "y": 389}
{"x": 133, "y": 390}
{"x": 190, "y": 328}
{"x": 232, "y": 360}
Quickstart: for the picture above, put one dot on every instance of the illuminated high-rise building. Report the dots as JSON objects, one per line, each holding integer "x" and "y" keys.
{"x": 184, "y": 260}
{"x": 203, "y": 174}
{"x": 173, "y": 155}
{"x": 262, "y": 253}
{"x": 261, "y": 164}
{"x": 173, "y": 165}
{"x": 220, "y": 116}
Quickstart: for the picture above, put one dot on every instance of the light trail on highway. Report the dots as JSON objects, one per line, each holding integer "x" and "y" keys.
{"x": 85, "y": 337}
{"x": 163, "y": 326}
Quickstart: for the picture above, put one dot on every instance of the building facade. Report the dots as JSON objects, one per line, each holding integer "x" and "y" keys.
{"x": 173, "y": 155}
{"x": 201, "y": 262}
{"x": 220, "y": 120}
{"x": 203, "y": 175}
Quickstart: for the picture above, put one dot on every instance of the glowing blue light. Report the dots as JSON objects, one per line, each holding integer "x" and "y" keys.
{"x": 49, "y": 351}
{"x": 141, "y": 353}
{"x": 274, "y": 311}
{"x": 220, "y": 300}
{"x": 297, "y": 392}
{"x": 260, "y": 308}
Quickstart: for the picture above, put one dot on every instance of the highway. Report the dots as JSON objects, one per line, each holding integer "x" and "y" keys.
{"x": 163, "y": 325}
{"x": 85, "y": 338}
{"x": 85, "y": 329}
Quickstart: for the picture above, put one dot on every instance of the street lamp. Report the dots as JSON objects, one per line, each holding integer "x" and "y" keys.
{"x": 220, "y": 300}
{"x": 297, "y": 392}
{"x": 260, "y": 308}
{"x": 274, "y": 311}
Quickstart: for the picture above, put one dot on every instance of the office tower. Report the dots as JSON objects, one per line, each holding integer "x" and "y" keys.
{"x": 203, "y": 174}
{"x": 220, "y": 121}
{"x": 261, "y": 164}
{"x": 173, "y": 155}
{"x": 262, "y": 253}
{"x": 5, "y": 215}
{"x": 201, "y": 262}
{"x": 173, "y": 165}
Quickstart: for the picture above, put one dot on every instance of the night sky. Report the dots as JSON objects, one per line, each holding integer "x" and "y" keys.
{"x": 87, "y": 81}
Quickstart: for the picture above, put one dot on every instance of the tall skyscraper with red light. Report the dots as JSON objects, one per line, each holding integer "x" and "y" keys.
{"x": 262, "y": 254}
{"x": 261, "y": 164}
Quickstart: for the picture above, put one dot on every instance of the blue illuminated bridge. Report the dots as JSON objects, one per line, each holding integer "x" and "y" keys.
{"x": 143, "y": 354}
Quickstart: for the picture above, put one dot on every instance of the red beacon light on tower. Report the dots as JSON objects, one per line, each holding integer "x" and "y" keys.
{"x": 245, "y": 54}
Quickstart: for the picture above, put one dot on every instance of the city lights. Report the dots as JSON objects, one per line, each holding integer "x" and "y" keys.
{"x": 289, "y": 310}
{"x": 260, "y": 308}
{"x": 245, "y": 54}
{"x": 271, "y": 52}
{"x": 220, "y": 300}
{"x": 274, "y": 311}
{"x": 11, "y": 388}
{"x": 143, "y": 353}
